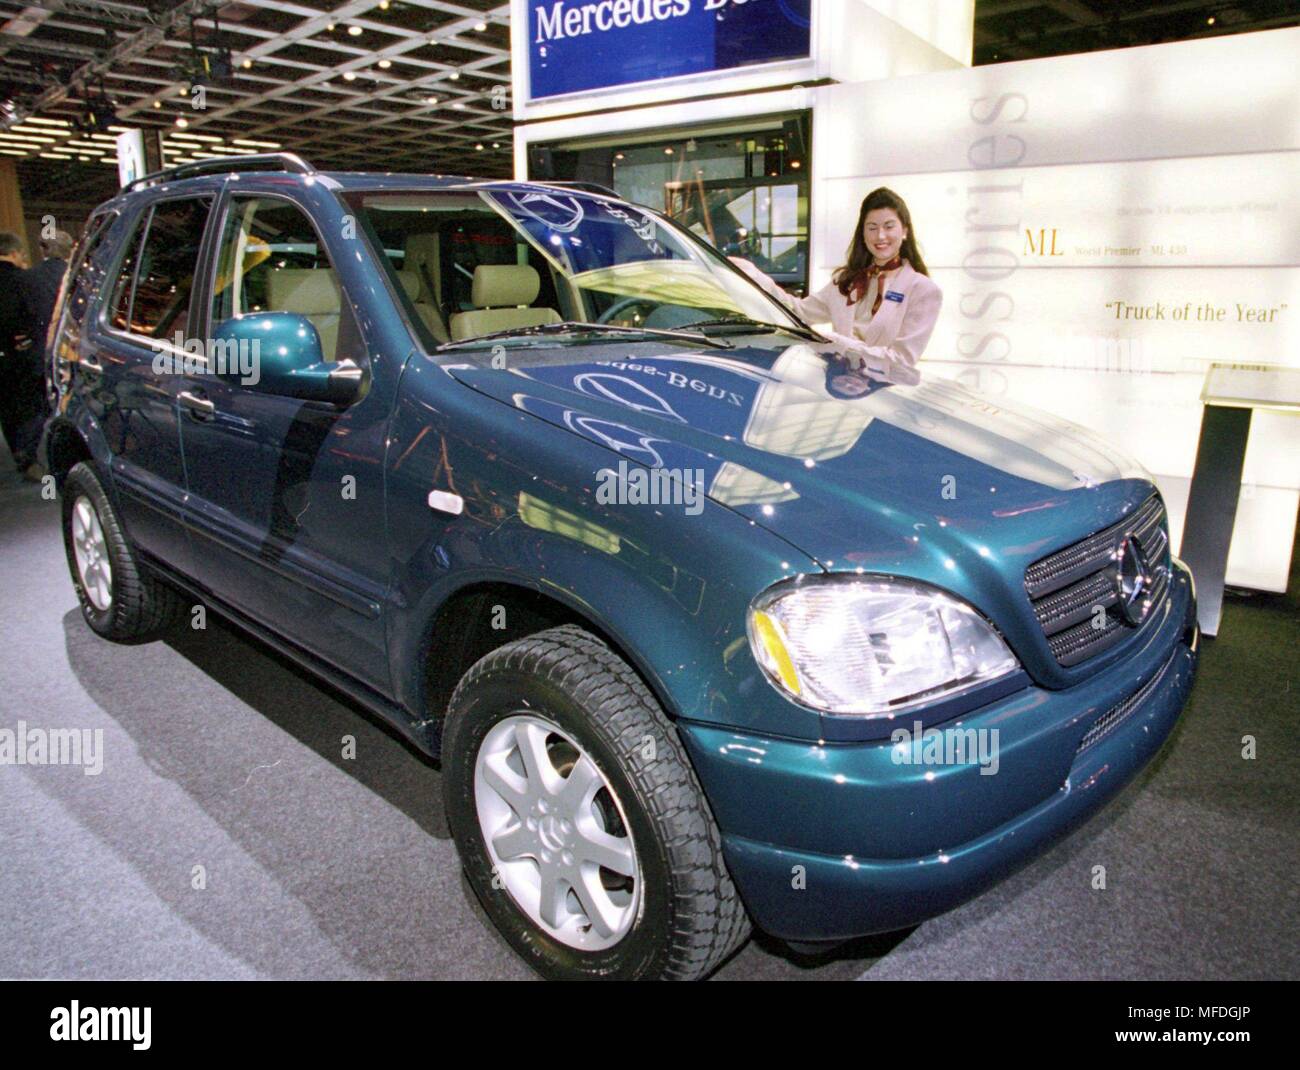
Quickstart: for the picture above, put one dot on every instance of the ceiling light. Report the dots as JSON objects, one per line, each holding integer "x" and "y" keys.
{"x": 354, "y": 31}
{"x": 46, "y": 122}
{"x": 157, "y": 103}
{"x": 385, "y": 63}
{"x": 478, "y": 147}
{"x": 246, "y": 64}
{"x": 349, "y": 76}
{"x": 496, "y": 144}
{"x": 1210, "y": 21}
{"x": 480, "y": 26}
{"x": 431, "y": 100}
{"x": 182, "y": 122}
{"x": 329, "y": 26}
{"x": 459, "y": 104}
{"x": 454, "y": 75}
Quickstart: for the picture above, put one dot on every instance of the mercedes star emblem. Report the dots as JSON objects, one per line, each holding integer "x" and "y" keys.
{"x": 1132, "y": 581}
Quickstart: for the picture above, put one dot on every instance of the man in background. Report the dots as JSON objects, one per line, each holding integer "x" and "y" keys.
{"x": 21, "y": 380}
{"x": 43, "y": 282}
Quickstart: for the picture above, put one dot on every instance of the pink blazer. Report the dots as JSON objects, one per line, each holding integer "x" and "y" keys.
{"x": 898, "y": 332}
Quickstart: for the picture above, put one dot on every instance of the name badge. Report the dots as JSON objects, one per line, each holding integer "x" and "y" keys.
{"x": 893, "y": 295}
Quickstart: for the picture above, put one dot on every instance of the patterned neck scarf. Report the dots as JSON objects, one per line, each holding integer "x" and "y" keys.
{"x": 863, "y": 281}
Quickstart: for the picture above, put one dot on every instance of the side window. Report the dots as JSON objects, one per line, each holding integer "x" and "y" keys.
{"x": 96, "y": 228}
{"x": 271, "y": 260}
{"x": 165, "y": 278}
{"x": 120, "y": 317}
{"x": 79, "y": 281}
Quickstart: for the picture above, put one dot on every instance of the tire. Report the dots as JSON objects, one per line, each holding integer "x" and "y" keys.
{"x": 120, "y": 599}
{"x": 679, "y": 915}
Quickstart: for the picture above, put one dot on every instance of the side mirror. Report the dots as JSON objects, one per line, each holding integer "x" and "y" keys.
{"x": 280, "y": 353}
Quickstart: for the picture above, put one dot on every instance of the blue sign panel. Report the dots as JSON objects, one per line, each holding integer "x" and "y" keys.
{"x": 576, "y": 45}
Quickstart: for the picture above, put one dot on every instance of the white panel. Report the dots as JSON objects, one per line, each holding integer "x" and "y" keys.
{"x": 1214, "y": 96}
{"x": 948, "y": 25}
{"x": 1179, "y": 212}
{"x": 1104, "y": 226}
{"x": 1065, "y": 318}
{"x": 1258, "y": 558}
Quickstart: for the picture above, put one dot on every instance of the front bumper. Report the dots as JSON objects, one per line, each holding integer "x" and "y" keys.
{"x": 831, "y": 841}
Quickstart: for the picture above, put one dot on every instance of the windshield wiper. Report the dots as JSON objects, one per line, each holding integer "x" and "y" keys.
{"x": 578, "y": 327}
{"x": 745, "y": 321}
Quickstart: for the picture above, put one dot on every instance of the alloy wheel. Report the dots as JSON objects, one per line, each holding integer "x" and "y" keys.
{"x": 91, "y": 551}
{"x": 556, "y": 833}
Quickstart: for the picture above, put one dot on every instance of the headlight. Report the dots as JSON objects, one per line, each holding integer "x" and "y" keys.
{"x": 872, "y": 646}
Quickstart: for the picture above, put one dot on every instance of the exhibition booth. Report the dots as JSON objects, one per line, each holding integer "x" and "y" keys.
{"x": 425, "y": 556}
{"x": 1104, "y": 226}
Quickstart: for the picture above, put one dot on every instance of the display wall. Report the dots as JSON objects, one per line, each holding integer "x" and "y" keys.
{"x": 1103, "y": 226}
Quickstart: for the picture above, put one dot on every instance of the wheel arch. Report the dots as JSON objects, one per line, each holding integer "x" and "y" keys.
{"x": 447, "y": 650}
{"x": 68, "y": 442}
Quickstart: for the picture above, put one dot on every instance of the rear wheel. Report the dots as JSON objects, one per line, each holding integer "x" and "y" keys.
{"x": 580, "y": 823}
{"x": 120, "y": 599}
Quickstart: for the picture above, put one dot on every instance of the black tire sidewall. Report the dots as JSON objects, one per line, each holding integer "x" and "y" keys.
{"x": 494, "y": 697}
{"x": 82, "y": 482}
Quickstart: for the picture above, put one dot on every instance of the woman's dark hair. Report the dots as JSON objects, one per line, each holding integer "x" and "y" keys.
{"x": 859, "y": 256}
{"x": 840, "y": 374}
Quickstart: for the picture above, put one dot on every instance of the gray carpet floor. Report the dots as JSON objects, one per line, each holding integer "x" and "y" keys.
{"x": 217, "y": 754}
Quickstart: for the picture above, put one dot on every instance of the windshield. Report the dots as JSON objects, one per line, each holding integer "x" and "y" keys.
{"x": 534, "y": 265}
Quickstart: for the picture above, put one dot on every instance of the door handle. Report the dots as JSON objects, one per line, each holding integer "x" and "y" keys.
{"x": 90, "y": 366}
{"x": 200, "y": 408}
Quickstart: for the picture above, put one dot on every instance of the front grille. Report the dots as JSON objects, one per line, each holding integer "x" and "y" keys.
{"x": 1067, "y": 588}
{"x": 1115, "y": 716}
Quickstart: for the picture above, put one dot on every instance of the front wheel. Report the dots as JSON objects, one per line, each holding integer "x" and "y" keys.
{"x": 580, "y": 823}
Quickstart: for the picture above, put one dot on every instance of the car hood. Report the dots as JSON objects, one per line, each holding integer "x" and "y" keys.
{"x": 887, "y": 472}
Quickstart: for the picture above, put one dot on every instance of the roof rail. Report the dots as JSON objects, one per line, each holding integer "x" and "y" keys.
{"x": 262, "y": 161}
{"x": 588, "y": 187}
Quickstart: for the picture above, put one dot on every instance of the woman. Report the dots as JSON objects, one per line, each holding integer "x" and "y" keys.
{"x": 883, "y": 299}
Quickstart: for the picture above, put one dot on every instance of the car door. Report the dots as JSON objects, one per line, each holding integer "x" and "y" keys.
{"x": 287, "y": 496}
{"x": 126, "y": 371}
